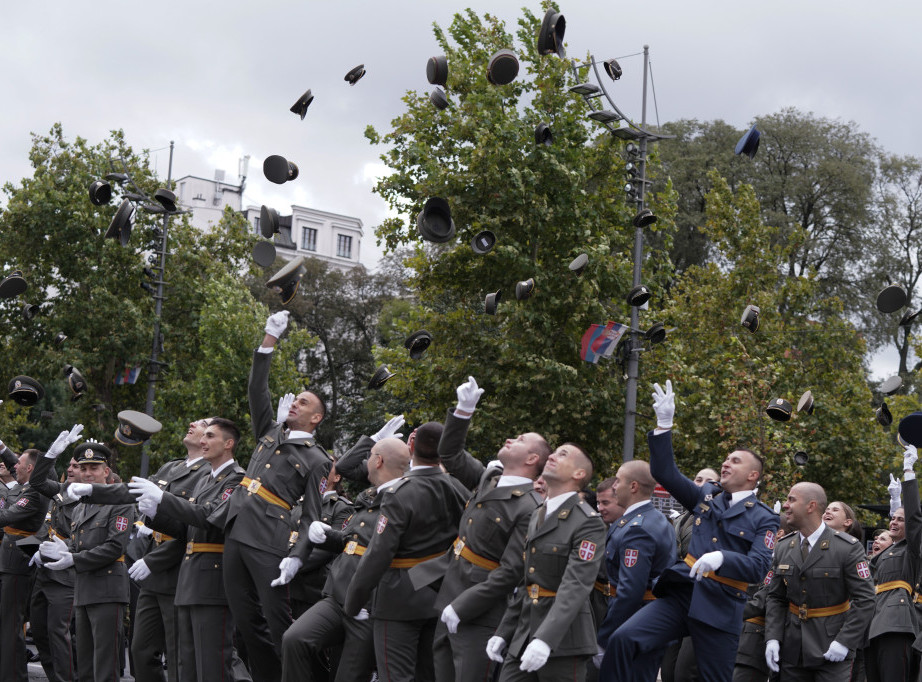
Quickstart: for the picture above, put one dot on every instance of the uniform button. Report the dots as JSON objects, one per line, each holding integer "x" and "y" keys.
{"x": 268, "y": 466}
{"x": 713, "y": 539}
{"x": 470, "y": 521}
{"x": 531, "y": 569}
{"x": 498, "y": 519}
{"x": 553, "y": 549}
{"x": 741, "y": 532}
{"x": 533, "y": 550}
{"x": 362, "y": 523}
{"x": 479, "y": 505}
{"x": 277, "y": 451}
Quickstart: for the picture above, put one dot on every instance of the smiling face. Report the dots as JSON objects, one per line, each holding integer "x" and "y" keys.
{"x": 195, "y": 432}
{"x": 836, "y": 518}
{"x": 73, "y": 471}
{"x": 214, "y": 445}
{"x": 898, "y": 525}
{"x": 881, "y": 542}
{"x": 608, "y": 507}
{"x": 740, "y": 471}
{"x": 94, "y": 472}
{"x": 305, "y": 412}
{"x": 567, "y": 468}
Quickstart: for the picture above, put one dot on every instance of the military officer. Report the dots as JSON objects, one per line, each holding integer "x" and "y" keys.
{"x": 730, "y": 547}
{"x": 639, "y": 547}
{"x": 23, "y": 515}
{"x": 549, "y": 626}
{"x": 96, "y": 549}
{"x": 750, "y": 665}
{"x": 324, "y": 625}
{"x": 486, "y": 561}
{"x": 418, "y": 520}
{"x": 610, "y": 512}
{"x": 287, "y": 465}
{"x": 821, "y": 596}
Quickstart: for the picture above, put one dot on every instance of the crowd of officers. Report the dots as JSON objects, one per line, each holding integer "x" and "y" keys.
{"x": 442, "y": 568}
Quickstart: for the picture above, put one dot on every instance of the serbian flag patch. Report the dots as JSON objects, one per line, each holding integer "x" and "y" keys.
{"x": 121, "y": 523}
{"x": 22, "y": 502}
{"x": 382, "y": 524}
{"x": 863, "y": 570}
{"x": 323, "y": 485}
{"x": 630, "y": 557}
{"x": 770, "y": 539}
{"x": 586, "y": 550}
{"x": 227, "y": 493}
{"x": 768, "y": 578}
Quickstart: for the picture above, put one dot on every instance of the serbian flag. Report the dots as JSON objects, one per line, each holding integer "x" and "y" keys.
{"x": 128, "y": 376}
{"x": 599, "y": 342}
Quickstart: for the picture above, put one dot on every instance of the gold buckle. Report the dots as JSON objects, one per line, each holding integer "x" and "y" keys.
{"x": 254, "y": 486}
{"x": 158, "y": 537}
{"x": 459, "y": 546}
{"x": 350, "y": 547}
{"x": 189, "y": 547}
{"x": 802, "y": 614}
{"x": 533, "y": 591}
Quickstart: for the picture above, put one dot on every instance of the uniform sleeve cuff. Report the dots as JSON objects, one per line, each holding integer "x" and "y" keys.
{"x": 263, "y": 349}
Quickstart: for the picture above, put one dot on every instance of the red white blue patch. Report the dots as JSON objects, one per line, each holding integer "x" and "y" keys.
{"x": 22, "y": 502}
{"x": 586, "y": 550}
{"x": 863, "y": 570}
{"x": 323, "y": 485}
{"x": 227, "y": 493}
{"x": 2, "y": 504}
{"x": 630, "y": 557}
{"x": 768, "y": 578}
{"x": 382, "y": 524}
{"x": 346, "y": 522}
{"x": 121, "y": 523}
{"x": 770, "y": 539}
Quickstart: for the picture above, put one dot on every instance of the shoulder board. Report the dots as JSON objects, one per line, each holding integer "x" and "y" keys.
{"x": 850, "y": 539}
{"x": 635, "y": 520}
{"x": 239, "y": 469}
{"x": 586, "y": 508}
{"x": 198, "y": 465}
{"x": 344, "y": 499}
{"x": 793, "y": 543}
{"x": 767, "y": 508}
{"x": 537, "y": 498}
{"x": 395, "y": 485}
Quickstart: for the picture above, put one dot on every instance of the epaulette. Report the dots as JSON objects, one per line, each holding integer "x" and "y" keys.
{"x": 586, "y": 508}
{"x": 537, "y": 498}
{"x": 851, "y": 539}
{"x": 636, "y": 520}
{"x": 762, "y": 504}
{"x": 395, "y": 485}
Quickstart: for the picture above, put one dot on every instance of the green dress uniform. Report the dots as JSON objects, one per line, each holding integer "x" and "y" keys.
{"x": 486, "y": 561}
{"x": 562, "y": 556}
{"x": 418, "y": 522}
{"x": 282, "y": 470}
{"x": 750, "y": 663}
{"x": 827, "y": 596}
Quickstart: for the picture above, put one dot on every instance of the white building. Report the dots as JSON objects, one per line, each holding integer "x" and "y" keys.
{"x": 207, "y": 198}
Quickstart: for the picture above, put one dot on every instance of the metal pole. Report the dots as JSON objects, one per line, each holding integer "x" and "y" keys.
{"x": 154, "y": 366}
{"x": 630, "y": 399}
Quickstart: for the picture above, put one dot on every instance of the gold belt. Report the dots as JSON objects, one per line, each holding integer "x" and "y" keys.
{"x": 738, "y": 584}
{"x": 758, "y": 620}
{"x": 410, "y": 563}
{"x": 462, "y": 551}
{"x": 893, "y": 585}
{"x": 805, "y": 613}
{"x": 613, "y": 592}
{"x": 257, "y": 487}
{"x": 535, "y": 591}
{"x": 353, "y": 547}
{"x": 197, "y": 547}
{"x": 9, "y": 530}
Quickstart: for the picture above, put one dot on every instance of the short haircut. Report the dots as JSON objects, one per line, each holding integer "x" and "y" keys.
{"x": 638, "y": 471}
{"x": 228, "y": 429}
{"x": 607, "y": 484}
{"x": 758, "y": 459}
{"x": 585, "y": 464}
{"x": 426, "y": 445}
{"x": 542, "y": 449}
{"x": 322, "y": 406}
{"x": 31, "y": 455}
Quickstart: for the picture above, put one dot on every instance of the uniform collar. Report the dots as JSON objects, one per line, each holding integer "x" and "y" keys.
{"x": 215, "y": 472}
{"x": 553, "y": 503}
{"x": 191, "y": 462}
{"x": 814, "y": 537}
{"x": 512, "y": 480}
{"x": 635, "y": 506}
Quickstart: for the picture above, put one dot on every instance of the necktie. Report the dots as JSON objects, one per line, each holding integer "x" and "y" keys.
{"x": 804, "y": 549}
{"x": 542, "y": 511}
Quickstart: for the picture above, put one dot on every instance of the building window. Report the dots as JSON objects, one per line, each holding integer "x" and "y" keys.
{"x": 343, "y": 246}
{"x": 256, "y": 224}
{"x": 308, "y": 239}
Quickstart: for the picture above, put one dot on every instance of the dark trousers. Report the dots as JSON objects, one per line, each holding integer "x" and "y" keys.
{"x": 679, "y": 662}
{"x": 262, "y": 613}
{"x": 51, "y": 612}
{"x": 155, "y": 637}
{"x": 462, "y": 657}
{"x": 891, "y": 658}
{"x": 636, "y": 647}
{"x": 206, "y": 642}
{"x": 325, "y": 626}
{"x": 747, "y": 673}
{"x": 827, "y": 672}
{"x": 403, "y": 650}
{"x": 557, "y": 669}
{"x": 14, "y": 597}
{"x": 100, "y": 628}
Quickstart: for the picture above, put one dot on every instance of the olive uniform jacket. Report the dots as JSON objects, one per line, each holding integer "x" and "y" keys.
{"x": 751, "y": 651}
{"x": 308, "y": 584}
{"x": 486, "y": 562}
{"x": 23, "y": 515}
{"x": 281, "y": 471}
{"x": 57, "y": 524}
{"x": 835, "y": 575}
{"x": 562, "y": 557}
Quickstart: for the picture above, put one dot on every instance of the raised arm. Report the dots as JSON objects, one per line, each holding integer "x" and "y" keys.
{"x": 258, "y": 387}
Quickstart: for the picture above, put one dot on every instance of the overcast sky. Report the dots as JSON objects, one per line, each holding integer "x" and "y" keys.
{"x": 218, "y": 78}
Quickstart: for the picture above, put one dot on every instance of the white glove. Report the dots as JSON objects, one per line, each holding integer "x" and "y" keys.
{"x": 534, "y": 656}
{"x": 288, "y": 568}
{"x": 142, "y": 529}
{"x": 138, "y": 570}
{"x": 148, "y": 508}
{"x": 836, "y": 652}
{"x": 66, "y": 561}
{"x": 772, "y": 647}
{"x": 36, "y": 559}
{"x": 75, "y": 491}
{"x": 277, "y": 323}
{"x": 496, "y": 648}
{"x": 468, "y": 395}
{"x": 597, "y": 659}
{"x": 909, "y": 459}
{"x": 361, "y": 615}
{"x": 706, "y": 564}
{"x": 64, "y": 439}
{"x": 664, "y": 405}
{"x": 145, "y": 489}
{"x": 777, "y": 506}
{"x": 495, "y": 464}
{"x": 54, "y": 548}
{"x": 390, "y": 429}
{"x": 451, "y": 619}
{"x": 284, "y": 405}
{"x": 317, "y": 532}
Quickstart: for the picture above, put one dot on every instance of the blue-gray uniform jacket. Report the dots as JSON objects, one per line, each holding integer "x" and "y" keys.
{"x": 744, "y": 532}
{"x": 640, "y": 547}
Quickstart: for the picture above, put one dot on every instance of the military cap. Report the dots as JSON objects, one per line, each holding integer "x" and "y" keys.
{"x": 806, "y": 404}
{"x": 285, "y": 282}
{"x": 656, "y": 334}
{"x": 749, "y": 143}
{"x": 100, "y": 192}
{"x": 264, "y": 253}
{"x": 25, "y": 390}
{"x": 59, "y": 339}
{"x": 801, "y": 458}
{"x": 13, "y": 285}
{"x": 491, "y": 301}
{"x": 779, "y": 409}
{"x": 29, "y": 546}
{"x": 437, "y": 70}
{"x": 483, "y": 242}
{"x": 543, "y": 134}
{"x": 300, "y": 107}
{"x": 355, "y": 74}
{"x": 891, "y": 299}
{"x": 524, "y": 290}
{"x": 380, "y": 377}
{"x": 910, "y": 429}
{"x": 550, "y": 36}
{"x": 644, "y": 218}
{"x": 908, "y": 317}
{"x": 434, "y": 221}
{"x": 120, "y": 226}
{"x": 883, "y": 416}
{"x": 613, "y": 69}
{"x": 750, "y": 318}
{"x": 91, "y": 452}
{"x": 578, "y": 264}
{"x": 30, "y": 310}
{"x": 438, "y": 98}
{"x": 268, "y": 221}
{"x": 891, "y": 385}
{"x": 417, "y": 343}
{"x": 135, "y": 428}
{"x": 75, "y": 381}
{"x": 279, "y": 170}
{"x": 638, "y": 296}
{"x": 503, "y": 67}
{"x": 167, "y": 199}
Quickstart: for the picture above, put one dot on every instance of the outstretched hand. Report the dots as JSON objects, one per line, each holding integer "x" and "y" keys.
{"x": 664, "y": 405}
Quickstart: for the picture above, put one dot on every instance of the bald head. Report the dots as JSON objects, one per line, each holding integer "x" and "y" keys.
{"x": 812, "y": 492}
{"x": 389, "y": 459}
{"x": 804, "y": 507}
